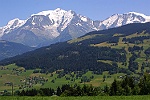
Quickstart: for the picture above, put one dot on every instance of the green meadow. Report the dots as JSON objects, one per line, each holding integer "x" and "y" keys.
{"x": 78, "y": 98}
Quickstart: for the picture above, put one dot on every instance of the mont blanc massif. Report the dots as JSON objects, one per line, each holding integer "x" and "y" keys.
{"x": 48, "y": 27}
{"x": 56, "y": 47}
{"x": 52, "y": 26}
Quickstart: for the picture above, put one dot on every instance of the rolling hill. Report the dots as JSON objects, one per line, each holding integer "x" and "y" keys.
{"x": 10, "y": 49}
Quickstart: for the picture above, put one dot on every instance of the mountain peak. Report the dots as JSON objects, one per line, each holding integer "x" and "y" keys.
{"x": 48, "y": 12}
{"x": 12, "y": 24}
{"x": 136, "y": 13}
{"x": 45, "y": 13}
{"x": 147, "y": 18}
{"x": 58, "y": 9}
{"x": 126, "y": 18}
{"x": 17, "y": 20}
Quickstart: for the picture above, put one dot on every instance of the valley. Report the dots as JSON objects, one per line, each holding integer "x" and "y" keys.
{"x": 28, "y": 79}
{"x": 106, "y": 57}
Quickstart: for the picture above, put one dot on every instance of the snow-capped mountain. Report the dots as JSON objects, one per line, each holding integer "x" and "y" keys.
{"x": 13, "y": 24}
{"x": 58, "y": 25}
{"x": 123, "y": 19}
{"x": 47, "y": 27}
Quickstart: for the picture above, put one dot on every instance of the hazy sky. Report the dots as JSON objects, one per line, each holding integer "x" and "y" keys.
{"x": 94, "y": 9}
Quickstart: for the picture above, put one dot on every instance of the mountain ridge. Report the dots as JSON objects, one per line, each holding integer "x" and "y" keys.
{"x": 10, "y": 49}
{"x": 48, "y": 27}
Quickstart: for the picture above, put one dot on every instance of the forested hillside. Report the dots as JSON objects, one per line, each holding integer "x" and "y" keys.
{"x": 118, "y": 50}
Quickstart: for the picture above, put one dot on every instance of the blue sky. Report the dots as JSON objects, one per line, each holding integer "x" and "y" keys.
{"x": 94, "y": 9}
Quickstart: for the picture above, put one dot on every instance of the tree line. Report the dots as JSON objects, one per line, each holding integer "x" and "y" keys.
{"x": 136, "y": 40}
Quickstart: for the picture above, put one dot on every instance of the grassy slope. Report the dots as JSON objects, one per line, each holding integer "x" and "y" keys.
{"x": 9, "y": 76}
{"x": 121, "y": 44}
